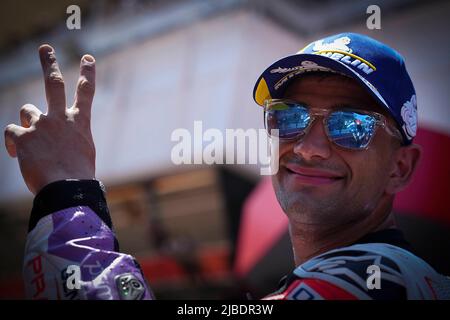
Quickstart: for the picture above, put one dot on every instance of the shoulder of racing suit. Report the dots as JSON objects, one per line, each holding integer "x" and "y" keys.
{"x": 345, "y": 274}
{"x": 70, "y": 233}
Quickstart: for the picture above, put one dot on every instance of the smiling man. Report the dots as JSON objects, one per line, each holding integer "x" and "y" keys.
{"x": 345, "y": 112}
{"x": 323, "y": 185}
{"x": 344, "y": 109}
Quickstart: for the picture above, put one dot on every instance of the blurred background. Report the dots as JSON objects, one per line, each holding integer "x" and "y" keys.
{"x": 207, "y": 231}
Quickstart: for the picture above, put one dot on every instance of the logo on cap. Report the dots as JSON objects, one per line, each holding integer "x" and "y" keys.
{"x": 409, "y": 116}
{"x": 340, "y": 51}
{"x": 339, "y": 44}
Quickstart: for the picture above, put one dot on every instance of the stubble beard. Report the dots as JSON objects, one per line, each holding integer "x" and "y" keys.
{"x": 305, "y": 207}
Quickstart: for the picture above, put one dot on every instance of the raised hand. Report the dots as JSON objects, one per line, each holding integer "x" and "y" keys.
{"x": 56, "y": 145}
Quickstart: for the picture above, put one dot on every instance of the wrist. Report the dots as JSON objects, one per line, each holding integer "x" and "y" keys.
{"x": 63, "y": 194}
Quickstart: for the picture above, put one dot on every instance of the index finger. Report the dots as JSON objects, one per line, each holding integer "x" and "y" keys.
{"x": 54, "y": 82}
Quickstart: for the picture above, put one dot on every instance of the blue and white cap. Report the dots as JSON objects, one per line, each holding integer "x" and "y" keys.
{"x": 379, "y": 68}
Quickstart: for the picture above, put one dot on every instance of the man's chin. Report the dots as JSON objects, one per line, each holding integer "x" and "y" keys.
{"x": 308, "y": 201}
{"x": 313, "y": 194}
{"x": 324, "y": 213}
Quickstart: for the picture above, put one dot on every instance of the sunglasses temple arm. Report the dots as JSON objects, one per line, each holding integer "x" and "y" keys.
{"x": 393, "y": 131}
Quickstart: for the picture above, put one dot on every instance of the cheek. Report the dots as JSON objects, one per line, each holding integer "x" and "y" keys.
{"x": 285, "y": 151}
{"x": 369, "y": 174}
{"x": 284, "y": 148}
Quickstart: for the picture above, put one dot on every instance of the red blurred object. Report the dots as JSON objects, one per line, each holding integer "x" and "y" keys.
{"x": 12, "y": 288}
{"x": 263, "y": 222}
{"x": 429, "y": 193}
{"x": 212, "y": 263}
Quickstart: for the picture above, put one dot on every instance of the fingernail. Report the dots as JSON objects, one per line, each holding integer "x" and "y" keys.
{"x": 47, "y": 48}
{"x": 88, "y": 59}
{"x": 48, "y": 52}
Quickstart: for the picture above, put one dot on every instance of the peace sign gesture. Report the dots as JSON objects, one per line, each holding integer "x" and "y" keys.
{"x": 56, "y": 145}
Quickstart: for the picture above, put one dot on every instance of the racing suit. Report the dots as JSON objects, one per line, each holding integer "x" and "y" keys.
{"x": 72, "y": 253}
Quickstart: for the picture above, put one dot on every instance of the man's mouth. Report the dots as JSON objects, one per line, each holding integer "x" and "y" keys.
{"x": 312, "y": 176}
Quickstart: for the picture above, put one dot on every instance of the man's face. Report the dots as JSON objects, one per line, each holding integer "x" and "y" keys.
{"x": 321, "y": 183}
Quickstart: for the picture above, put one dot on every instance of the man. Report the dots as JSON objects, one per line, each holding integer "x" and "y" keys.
{"x": 344, "y": 109}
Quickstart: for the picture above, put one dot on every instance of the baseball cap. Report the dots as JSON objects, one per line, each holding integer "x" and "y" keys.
{"x": 377, "y": 67}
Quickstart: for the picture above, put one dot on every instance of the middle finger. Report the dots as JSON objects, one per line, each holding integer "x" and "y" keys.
{"x": 54, "y": 82}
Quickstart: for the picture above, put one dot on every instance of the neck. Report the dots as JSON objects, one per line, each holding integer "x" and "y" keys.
{"x": 309, "y": 240}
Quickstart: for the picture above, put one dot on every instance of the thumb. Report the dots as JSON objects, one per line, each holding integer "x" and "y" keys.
{"x": 12, "y": 132}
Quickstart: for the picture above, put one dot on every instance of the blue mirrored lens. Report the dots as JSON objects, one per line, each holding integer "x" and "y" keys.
{"x": 350, "y": 129}
{"x": 290, "y": 119}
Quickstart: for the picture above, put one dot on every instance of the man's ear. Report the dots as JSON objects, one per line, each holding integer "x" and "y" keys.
{"x": 406, "y": 160}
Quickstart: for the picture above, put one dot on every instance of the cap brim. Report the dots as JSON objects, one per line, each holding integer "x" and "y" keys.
{"x": 275, "y": 79}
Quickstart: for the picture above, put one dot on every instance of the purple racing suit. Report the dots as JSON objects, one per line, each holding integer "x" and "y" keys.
{"x": 71, "y": 250}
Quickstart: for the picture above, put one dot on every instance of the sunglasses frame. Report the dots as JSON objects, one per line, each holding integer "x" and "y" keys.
{"x": 380, "y": 121}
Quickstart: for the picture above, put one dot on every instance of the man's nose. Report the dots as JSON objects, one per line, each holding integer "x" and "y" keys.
{"x": 314, "y": 144}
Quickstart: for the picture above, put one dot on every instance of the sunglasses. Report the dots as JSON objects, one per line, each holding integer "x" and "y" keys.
{"x": 346, "y": 128}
